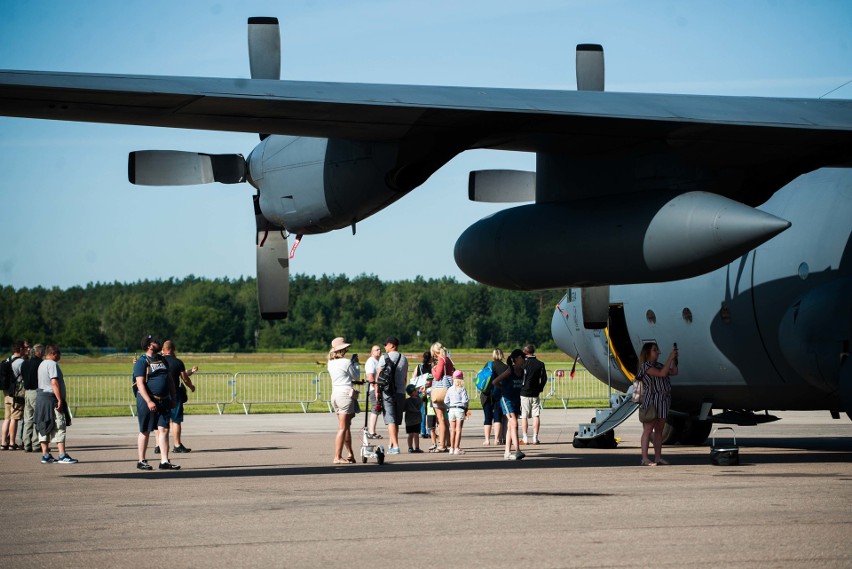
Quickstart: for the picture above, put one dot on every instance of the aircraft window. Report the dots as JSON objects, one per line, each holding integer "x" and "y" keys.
{"x": 804, "y": 270}
{"x": 687, "y": 315}
{"x": 652, "y": 318}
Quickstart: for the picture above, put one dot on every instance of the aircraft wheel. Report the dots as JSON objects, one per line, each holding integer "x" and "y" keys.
{"x": 695, "y": 432}
{"x": 673, "y": 430}
{"x": 578, "y": 443}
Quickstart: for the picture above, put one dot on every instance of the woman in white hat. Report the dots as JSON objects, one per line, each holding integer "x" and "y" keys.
{"x": 344, "y": 398}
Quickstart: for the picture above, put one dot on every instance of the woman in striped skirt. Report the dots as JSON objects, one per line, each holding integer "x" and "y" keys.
{"x": 656, "y": 393}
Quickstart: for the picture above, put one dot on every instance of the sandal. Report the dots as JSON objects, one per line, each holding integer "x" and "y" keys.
{"x": 350, "y": 459}
{"x": 432, "y": 448}
{"x": 459, "y": 451}
{"x": 340, "y": 461}
{"x": 648, "y": 463}
{"x": 662, "y": 461}
{"x": 374, "y": 436}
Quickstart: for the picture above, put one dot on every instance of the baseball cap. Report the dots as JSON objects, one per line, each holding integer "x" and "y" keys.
{"x": 458, "y": 374}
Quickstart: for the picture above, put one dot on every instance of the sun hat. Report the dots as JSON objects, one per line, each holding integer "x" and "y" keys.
{"x": 458, "y": 374}
{"x": 339, "y": 344}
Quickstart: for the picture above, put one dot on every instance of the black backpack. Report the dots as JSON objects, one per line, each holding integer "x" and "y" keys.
{"x": 156, "y": 358}
{"x": 386, "y": 382}
{"x": 7, "y": 376}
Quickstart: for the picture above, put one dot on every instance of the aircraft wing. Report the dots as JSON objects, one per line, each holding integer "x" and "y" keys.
{"x": 773, "y": 139}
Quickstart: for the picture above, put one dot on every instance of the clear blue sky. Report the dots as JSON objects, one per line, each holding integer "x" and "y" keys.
{"x": 70, "y": 216}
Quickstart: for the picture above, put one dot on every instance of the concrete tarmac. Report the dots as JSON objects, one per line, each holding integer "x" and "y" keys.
{"x": 260, "y": 491}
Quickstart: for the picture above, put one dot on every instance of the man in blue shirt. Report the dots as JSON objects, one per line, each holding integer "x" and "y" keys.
{"x": 155, "y": 398}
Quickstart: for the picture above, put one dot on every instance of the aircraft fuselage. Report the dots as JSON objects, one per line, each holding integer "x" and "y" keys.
{"x": 770, "y": 330}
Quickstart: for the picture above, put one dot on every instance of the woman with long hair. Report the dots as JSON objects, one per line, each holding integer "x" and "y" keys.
{"x": 509, "y": 383}
{"x": 442, "y": 371}
{"x": 490, "y": 399}
{"x": 656, "y": 398}
{"x": 344, "y": 398}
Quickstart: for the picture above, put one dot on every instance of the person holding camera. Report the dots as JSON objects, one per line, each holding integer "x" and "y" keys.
{"x": 656, "y": 398}
{"x": 344, "y": 398}
{"x": 155, "y": 398}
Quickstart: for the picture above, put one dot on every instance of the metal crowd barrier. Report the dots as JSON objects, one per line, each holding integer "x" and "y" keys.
{"x": 298, "y": 388}
{"x": 272, "y": 387}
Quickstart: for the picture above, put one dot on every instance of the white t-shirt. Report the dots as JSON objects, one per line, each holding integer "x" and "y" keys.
{"x": 343, "y": 372}
{"x": 372, "y": 367}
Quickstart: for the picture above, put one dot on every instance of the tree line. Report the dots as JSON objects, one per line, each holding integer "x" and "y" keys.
{"x": 221, "y": 315}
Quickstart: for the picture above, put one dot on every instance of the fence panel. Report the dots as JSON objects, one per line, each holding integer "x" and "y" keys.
{"x": 298, "y": 387}
{"x": 217, "y": 389}
{"x": 582, "y": 386}
{"x": 100, "y": 390}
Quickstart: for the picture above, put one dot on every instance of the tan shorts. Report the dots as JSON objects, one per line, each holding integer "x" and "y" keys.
{"x": 58, "y": 433}
{"x": 530, "y": 407}
{"x": 13, "y": 411}
{"x": 342, "y": 402}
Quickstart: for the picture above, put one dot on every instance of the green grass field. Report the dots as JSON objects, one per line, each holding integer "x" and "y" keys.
{"x": 222, "y": 366}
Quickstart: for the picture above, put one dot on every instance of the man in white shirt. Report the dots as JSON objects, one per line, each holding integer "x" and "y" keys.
{"x": 372, "y": 369}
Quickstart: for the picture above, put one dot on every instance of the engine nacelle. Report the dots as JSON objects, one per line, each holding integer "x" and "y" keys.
{"x": 651, "y": 237}
{"x": 315, "y": 185}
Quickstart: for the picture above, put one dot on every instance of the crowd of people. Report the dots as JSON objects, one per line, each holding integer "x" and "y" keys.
{"x": 435, "y": 403}
{"x": 35, "y": 393}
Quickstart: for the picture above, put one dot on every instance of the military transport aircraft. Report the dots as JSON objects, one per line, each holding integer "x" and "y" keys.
{"x": 656, "y": 188}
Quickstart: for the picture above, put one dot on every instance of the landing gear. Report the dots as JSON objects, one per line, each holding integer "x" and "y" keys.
{"x": 686, "y": 431}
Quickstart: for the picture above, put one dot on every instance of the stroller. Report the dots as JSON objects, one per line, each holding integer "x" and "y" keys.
{"x": 368, "y": 449}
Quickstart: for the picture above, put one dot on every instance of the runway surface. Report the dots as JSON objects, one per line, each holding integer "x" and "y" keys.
{"x": 260, "y": 491}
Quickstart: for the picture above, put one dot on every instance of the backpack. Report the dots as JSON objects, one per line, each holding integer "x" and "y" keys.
{"x": 156, "y": 357}
{"x": 7, "y": 376}
{"x": 483, "y": 378}
{"x": 386, "y": 381}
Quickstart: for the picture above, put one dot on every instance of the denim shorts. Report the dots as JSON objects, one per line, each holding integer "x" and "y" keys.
{"x": 510, "y": 405}
{"x": 394, "y": 406}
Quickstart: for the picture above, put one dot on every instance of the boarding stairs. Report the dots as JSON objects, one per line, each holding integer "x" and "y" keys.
{"x": 621, "y": 408}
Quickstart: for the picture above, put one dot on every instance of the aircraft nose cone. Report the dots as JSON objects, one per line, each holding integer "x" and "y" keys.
{"x": 700, "y": 225}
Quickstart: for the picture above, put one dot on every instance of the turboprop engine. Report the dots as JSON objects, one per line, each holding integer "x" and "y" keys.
{"x": 315, "y": 185}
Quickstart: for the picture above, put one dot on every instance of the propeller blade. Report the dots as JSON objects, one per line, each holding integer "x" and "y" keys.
{"x": 273, "y": 267}
{"x": 590, "y": 67}
{"x": 177, "y": 168}
{"x": 264, "y": 42}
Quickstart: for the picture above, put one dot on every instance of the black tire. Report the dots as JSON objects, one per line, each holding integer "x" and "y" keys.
{"x": 695, "y": 432}
{"x": 363, "y": 460}
{"x": 380, "y": 458}
{"x": 673, "y": 430}
{"x": 579, "y": 443}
